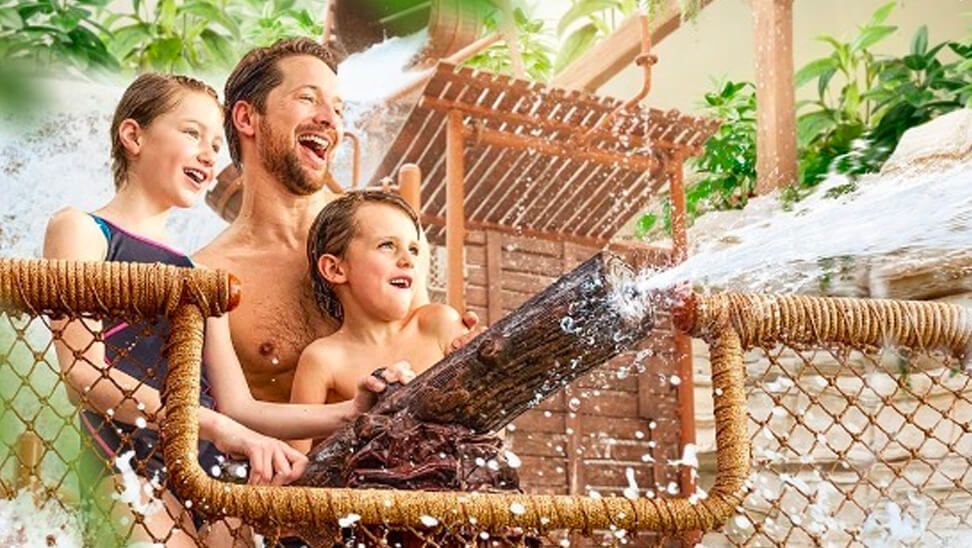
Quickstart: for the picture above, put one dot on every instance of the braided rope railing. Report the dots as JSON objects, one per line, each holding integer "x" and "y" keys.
{"x": 730, "y": 323}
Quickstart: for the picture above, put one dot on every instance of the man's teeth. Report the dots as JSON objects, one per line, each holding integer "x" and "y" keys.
{"x": 195, "y": 174}
{"x": 319, "y": 141}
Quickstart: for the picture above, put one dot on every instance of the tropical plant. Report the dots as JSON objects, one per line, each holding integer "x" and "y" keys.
{"x": 865, "y": 103}
{"x": 536, "y": 49}
{"x": 201, "y": 35}
{"x": 168, "y": 35}
{"x": 51, "y": 32}
{"x": 726, "y": 169}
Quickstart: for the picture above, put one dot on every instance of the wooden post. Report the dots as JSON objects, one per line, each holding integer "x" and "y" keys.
{"x": 455, "y": 212}
{"x": 410, "y": 186}
{"x": 682, "y": 342}
{"x": 776, "y": 151}
{"x": 675, "y": 164}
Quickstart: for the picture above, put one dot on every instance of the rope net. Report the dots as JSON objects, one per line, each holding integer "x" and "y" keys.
{"x": 832, "y": 419}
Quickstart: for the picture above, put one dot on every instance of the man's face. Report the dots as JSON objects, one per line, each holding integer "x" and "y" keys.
{"x": 301, "y": 126}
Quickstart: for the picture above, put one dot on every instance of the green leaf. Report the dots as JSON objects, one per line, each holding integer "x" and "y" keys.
{"x": 813, "y": 70}
{"x": 209, "y": 12}
{"x": 870, "y": 36}
{"x": 218, "y": 46}
{"x": 645, "y": 224}
{"x": 575, "y": 45}
{"x": 814, "y": 125}
{"x": 10, "y": 19}
{"x": 824, "y": 82}
{"x": 919, "y": 42}
{"x": 882, "y": 13}
{"x": 583, "y": 9}
{"x": 125, "y": 39}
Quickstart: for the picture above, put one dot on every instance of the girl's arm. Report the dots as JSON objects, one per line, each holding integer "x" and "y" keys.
{"x": 72, "y": 234}
{"x": 294, "y": 421}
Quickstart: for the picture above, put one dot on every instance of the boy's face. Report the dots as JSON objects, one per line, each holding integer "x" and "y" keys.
{"x": 380, "y": 262}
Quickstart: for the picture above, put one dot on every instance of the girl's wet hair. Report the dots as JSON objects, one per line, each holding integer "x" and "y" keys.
{"x": 148, "y": 97}
{"x": 332, "y": 233}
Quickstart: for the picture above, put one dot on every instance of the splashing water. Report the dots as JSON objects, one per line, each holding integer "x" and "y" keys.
{"x": 23, "y": 523}
{"x": 60, "y": 157}
{"x": 906, "y": 216}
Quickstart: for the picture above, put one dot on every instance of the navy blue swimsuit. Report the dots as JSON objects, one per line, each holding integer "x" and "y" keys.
{"x": 139, "y": 350}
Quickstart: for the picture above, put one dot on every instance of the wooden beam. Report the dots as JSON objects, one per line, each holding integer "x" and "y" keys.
{"x": 455, "y": 213}
{"x": 611, "y": 55}
{"x": 550, "y": 124}
{"x": 480, "y": 136}
{"x": 595, "y": 243}
{"x": 776, "y": 149}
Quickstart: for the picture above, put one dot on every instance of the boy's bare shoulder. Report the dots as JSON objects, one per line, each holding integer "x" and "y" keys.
{"x": 325, "y": 354}
{"x": 436, "y": 316}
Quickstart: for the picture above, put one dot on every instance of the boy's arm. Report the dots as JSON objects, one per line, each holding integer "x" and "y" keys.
{"x": 312, "y": 382}
{"x": 442, "y": 323}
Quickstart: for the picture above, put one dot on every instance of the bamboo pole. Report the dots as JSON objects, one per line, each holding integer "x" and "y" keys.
{"x": 455, "y": 213}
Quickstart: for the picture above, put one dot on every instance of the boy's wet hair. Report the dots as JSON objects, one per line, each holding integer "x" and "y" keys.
{"x": 332, "y": 232}
{"x": 148, "y": 97}
{"x": 257, "y": 74}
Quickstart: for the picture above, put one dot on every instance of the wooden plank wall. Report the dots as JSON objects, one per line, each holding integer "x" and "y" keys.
{"x": 613, "y": 419}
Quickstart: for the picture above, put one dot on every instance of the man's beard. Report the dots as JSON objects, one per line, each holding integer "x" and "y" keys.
{"x": 284, "y": 165}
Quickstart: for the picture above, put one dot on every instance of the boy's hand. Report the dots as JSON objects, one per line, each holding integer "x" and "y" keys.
{"x": 470, "y": 320}
{"x": 371, "y": 385}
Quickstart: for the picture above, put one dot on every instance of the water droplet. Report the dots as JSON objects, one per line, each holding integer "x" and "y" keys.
{"x": 428, "y": 521}
{"x": 574, "y": 404}
{"x": 517, "y": 508}
{"x": 513, "y": 460}
{"x": 349, "y": 520}
{"x": 567, "y": 324}
{"x": 675, "y": 380}
{"x": 140, "y": 422}
{"x": 215, "y": 471}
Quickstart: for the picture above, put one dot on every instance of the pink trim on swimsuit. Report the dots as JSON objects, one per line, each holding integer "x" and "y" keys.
{"x": 96, "y": 435}
{"x": 118, "y": 327}
{"x": 143, "y": 238}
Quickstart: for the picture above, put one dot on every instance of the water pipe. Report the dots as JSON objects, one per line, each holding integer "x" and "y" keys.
{"x": 645, "y": 60}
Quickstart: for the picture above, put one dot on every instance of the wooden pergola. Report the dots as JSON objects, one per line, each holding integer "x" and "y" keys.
{"x": 516, "y": 156}
{"x": 497, "y": 154}
{"x": 776, "y": 158}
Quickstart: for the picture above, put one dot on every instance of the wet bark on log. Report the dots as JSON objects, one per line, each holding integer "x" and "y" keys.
{"x": 571, "y": 327}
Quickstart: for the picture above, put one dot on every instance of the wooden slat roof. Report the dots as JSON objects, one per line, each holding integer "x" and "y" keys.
{"x": 551, "y": 192}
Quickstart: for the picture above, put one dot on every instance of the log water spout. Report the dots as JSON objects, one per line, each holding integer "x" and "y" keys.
{"x": 565, "y": 331}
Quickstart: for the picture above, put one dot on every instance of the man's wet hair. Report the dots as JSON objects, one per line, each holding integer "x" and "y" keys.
{"x": 332, "y": 232}
{"x": 149, "y": 96}
{"x": 258, "y": 73}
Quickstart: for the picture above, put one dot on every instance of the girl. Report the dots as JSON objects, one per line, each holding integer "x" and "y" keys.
{"x": 362, "y": 251}
{"x": 166, "y": 132}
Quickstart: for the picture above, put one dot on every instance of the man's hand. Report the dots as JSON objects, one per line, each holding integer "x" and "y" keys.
{"x": 470, "y": 320}
{"x": 370, "y": 386}
{"x": 271, "y": 461}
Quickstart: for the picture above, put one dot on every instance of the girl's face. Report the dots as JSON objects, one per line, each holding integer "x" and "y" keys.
{"x": 177, "y": 151}
{"x": 380, "y": 262}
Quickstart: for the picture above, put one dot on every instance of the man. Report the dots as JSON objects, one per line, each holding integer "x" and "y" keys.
{"x": 283, "y": 123}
